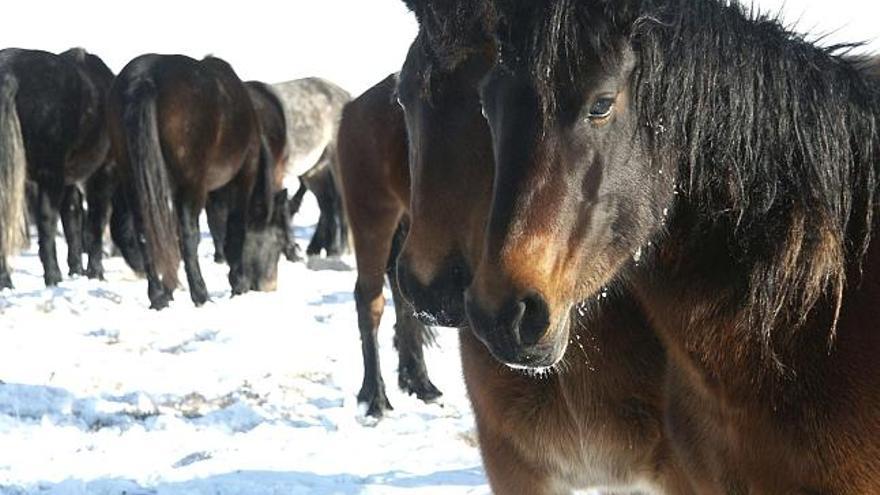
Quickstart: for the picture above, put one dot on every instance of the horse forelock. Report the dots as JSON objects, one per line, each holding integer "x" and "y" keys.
{"x": 553, "y": 43}
{"x": 450, "y": 32}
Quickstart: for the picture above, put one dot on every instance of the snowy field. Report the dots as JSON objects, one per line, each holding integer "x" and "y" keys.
{"x": 253, "y": 395}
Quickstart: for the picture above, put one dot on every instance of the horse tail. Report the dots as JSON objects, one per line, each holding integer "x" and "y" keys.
{"x": 154, "y": 196}
{"x": 262, "y": 202}
{"x": 13, "y": 172}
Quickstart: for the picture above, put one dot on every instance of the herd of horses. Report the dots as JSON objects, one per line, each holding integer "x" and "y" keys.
{"x": 652, "y": 222}
{"x": 152, "y": 147}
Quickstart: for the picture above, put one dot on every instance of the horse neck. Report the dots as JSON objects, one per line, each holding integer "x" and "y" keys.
{"x": 695, "y": 294}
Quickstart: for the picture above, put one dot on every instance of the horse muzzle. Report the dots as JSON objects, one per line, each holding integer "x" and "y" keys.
{"x": 518, "y": 332}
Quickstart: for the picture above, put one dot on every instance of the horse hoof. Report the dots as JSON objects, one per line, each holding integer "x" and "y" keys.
{"x": 6, "y": 282}
{"x": 95, "y": 274}
{"x": 421, "y": 387}
{"x": 219, "y": 258}
{"x": 76, "y": 272}
{"x": 377, "y": 403}
{"x": 239, "y": 285}
{"x": 292, "y": 255}
{"x": 160, "y": 299}
{"x": 378, "y": 406}
{"x": 200, "y": 299}
{"x": 160, "y": 303}
{"x": 52, "y": 279}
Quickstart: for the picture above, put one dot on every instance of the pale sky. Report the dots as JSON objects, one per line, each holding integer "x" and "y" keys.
{"x": 353, "y": 42}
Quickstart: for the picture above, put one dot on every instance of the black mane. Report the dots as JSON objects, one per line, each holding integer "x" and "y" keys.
{"x": 775, "y": 138}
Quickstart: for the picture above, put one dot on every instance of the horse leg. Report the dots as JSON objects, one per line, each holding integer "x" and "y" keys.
{"x": 410, "y": 335}
{"x": 370, "y": 303}
{"x": 188, "y": 215}
{"x": 48, "y": 203}
{"x": 217, "y": 210}
{"x": 99, "y": 194}
{"x": 291, "y": 249}
{"x": 323, "y": 231}
{"x": 72, "y": 221}
{"x": 5, "y": 278}
{"x": 236, "y": 228}
{"x": 374, "y": 232}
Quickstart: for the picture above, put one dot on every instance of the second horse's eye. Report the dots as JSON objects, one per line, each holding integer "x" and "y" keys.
{"x": 602, "y": 108}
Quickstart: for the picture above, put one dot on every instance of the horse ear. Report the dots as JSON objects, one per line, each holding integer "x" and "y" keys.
{"x": 416, "y": 7}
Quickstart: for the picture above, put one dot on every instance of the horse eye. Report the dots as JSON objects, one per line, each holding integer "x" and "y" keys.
{"x": 602, "y": 108}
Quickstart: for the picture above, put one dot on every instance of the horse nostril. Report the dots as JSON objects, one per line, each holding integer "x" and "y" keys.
{"x": 534, "y": 319}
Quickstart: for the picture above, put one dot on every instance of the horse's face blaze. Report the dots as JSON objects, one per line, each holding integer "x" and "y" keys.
{"x": 574, "y": 201}
{"x": 264, "y": 245}
{"x": 451, "y": 173}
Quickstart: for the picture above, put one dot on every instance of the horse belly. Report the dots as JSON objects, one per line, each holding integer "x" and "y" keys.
{"x": 220, "y": 175}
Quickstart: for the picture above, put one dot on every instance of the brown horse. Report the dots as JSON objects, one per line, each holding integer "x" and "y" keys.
{"x": 52, "y": 132}
{"x": 181, "y": 128}
{"x": 738, "y": 164}
{"x": 270, "y": 113}
{"x": 374, "y": 178}
{"x": 606, "y": 396}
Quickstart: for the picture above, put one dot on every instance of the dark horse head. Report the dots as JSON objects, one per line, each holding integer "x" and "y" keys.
{"x": 723, "y": 169}
{"x": 450, "y": 156}
{"x": 555, "y": 160}
{"x": 269, "y": 234}
{"x": 612, "y": 129}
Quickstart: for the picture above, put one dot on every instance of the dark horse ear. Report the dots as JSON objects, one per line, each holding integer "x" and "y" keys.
{"x": 416, "y": 6}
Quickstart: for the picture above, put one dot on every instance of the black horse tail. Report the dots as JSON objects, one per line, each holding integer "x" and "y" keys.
{"x": 152, "y": 184}
{"x": 340, "y": 242}
{"x": 13, "y": 172}
{"x": 261, "y": 202}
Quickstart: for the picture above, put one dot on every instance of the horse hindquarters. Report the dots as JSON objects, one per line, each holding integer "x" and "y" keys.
{"x": 13, "y": 175}
{"x": 188, "y": 209}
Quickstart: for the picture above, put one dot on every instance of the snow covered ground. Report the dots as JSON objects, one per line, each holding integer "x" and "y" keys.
{"x": 253, "y": 395}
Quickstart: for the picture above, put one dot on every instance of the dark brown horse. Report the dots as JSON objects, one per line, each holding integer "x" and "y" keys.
{"x": 374, "y": 178}
{"x": 52, "y": 132}
{"x": 724, "y": 171}
{"x": 270, "y": 113}
{"x": 181, "y": 128}
{"x": 606, "y": 395}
